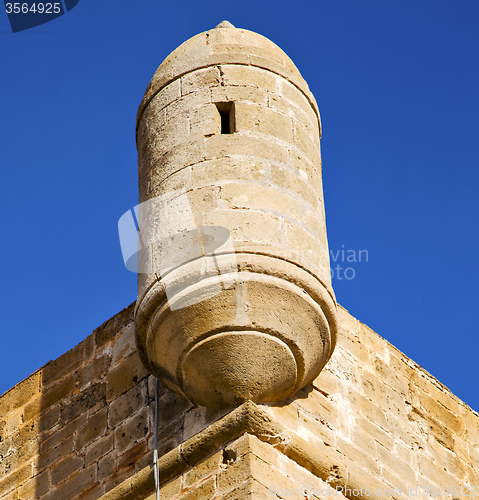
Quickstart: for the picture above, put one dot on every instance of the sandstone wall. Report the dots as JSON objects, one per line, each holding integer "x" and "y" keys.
{"x": 83, "y": 424}
{"x": 80, "y": 424}
{"x": 384, "y": 422}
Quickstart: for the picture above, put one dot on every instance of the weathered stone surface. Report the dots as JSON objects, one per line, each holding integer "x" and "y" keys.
{"x": 226, "y": 100}
{"x": 326, "y": 433}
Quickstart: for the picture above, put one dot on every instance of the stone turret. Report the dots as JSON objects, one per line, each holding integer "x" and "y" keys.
{"x": 234, "y": 292}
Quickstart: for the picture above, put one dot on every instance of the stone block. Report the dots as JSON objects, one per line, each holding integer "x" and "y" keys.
{"x": 124, "y": 376}
{"x": 65, "y": 468}
{"x": 13, "y": 422}
{"x": 83, "y": 402}
{"x": 81, "y": 482}
{"x": 172, "y": 406}
{"x": 249, "y": 443}
{"x": 246, "y": 225}
{"x": 249, "y": 490}
{"x": 315, "y": 428}
{"x": 396, "y": 483}
{"x": 262, "y": 120}
{"x": 313, "y": 255}
{"x": 113, "y": 326}
{"x": 19, "y": 395}
{"x": 131, "y": 456}
{"x": 307, "y": 120}
{"x": 368, "y": 426}
{"x": 35, "y": 487}
{"x": 218, "y": 146}
{"x": 13, "y": 495}
{"x": 401, "y": 430}
{"x": 171, "y": 436}
{"x": 328, "y": 383}
{"x": 204, "y": 491}
{"x": 397, "y": 465}
{"x": 324, "y": 412}
{"x": 127, "y": 404}
{"x": 161, "y": 139}
{"x": 248, "y": 466}
{"x": 187, "y": 103}
{"x": 63, "y": 432}
{"x": 205, "y": 120}
{"x": 132, "y": 431}
{"x": 169, "y": 490}
{"x": 146, "y": 459}
{"x": 314, "y": 224}
{"x": 360, "y": 458}
{"x": 198, "y": 418}
{"x": 99, "y": 448}
{"x": 95, "y": 426}
{"x": 226, "y": 169}
{"x": 167, "y": 95}
{"x": 471, "y": 423}
{"x": 428, "y": 426}
{"x": 321, "y": 460}
{"x": 208, "y": 467}
{"x": 287, "y": 414}
{"x": 453, "y": 463}
{"x": 394, "y": 380}
{"x": 116, "y": 478}
{"x": 305, "y": 168}
{"x": 93, "y": 493}
{"x": 266, "y": 199}
{"x": 279, "y": 67}
{"x": 124, "y": 345}
{"x": 238, "y": 94}
{"x": 361, "y": 481}
{"x": 54, "y": 454}
{"x": 177, "y": 158}
{"x": 58, "y": 392}
{"x": 15, "y": 478}
{"x": 67, "y": 363}
{"x": 437, "y": 476}
{"x": 355, "y": 347}
{"x": 381, "y": 394}
{"x": 297, "y": 98}
{"x": 375, "y": 343}
{"x": 306, "y": 145}
{"x": 400, "y": 364}
{"x": 154, "y": 118}
{"x": 239, "y": 75}
{"x": 95, "y": 370}
{"x": 441, "y": 414}
{"x": 200, "y": 79}
{"x": 297, "y": 183}
{"x": 106, "y": 466}
{"x": 364, "y": 441}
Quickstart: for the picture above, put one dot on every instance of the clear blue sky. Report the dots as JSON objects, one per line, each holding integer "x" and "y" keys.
{"x": 397, "y": 86}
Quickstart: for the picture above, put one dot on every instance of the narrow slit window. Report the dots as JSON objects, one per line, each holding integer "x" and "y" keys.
{"x": 226, "y": 112}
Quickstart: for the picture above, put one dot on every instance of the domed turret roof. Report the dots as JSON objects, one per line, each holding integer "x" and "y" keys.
{"x": 225, "y": 44}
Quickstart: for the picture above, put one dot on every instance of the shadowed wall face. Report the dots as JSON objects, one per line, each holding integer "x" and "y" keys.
{"x": 232, "y": 225}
